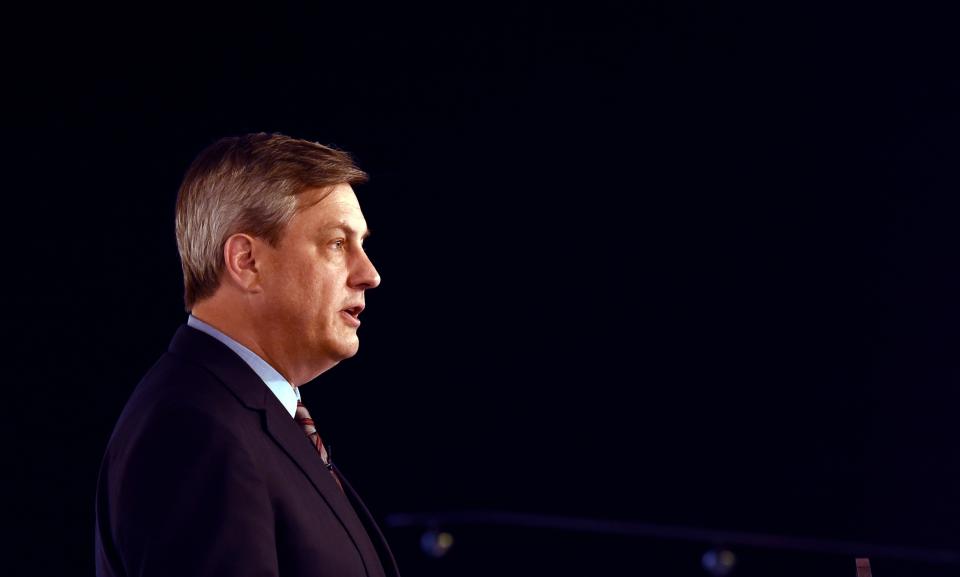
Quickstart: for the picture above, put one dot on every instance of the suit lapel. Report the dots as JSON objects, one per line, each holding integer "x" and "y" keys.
{"x": 250, "y": 390}
{"x": 292, "y": 440}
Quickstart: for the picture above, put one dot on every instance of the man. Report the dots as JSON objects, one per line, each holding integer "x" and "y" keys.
{"x": 214, "y": 467}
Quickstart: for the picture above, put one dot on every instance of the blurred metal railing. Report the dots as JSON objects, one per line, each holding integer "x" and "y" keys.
{"x": 433, "y": 521}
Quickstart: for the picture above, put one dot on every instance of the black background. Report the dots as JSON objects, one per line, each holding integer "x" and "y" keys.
{"x": 689, "y": 263}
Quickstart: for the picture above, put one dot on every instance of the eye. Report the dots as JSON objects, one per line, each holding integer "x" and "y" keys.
{"x": 338, "y": 244}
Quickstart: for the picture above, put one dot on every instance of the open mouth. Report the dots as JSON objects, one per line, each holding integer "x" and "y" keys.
{"x": 353, "y": 314}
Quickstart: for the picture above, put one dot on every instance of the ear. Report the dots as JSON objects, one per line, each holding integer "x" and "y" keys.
{"x": 240, "y": 263}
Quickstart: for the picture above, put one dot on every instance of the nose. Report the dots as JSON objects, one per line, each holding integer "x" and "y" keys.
{"x": 365, "y": 275}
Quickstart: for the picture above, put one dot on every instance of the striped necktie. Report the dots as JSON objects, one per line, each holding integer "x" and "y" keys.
{"x": 302, "y": 417}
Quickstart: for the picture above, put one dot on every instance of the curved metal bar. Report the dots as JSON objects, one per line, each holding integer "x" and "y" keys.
{"x": 638, "y": 529}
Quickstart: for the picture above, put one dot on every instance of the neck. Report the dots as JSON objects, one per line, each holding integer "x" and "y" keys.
{"x": 242, "y": 325}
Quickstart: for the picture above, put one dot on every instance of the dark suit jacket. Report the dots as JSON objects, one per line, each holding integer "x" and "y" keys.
{"x": 207, "y": 474}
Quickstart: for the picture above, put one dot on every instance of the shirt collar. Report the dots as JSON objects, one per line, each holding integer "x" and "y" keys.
{"x": 287, "y": 394}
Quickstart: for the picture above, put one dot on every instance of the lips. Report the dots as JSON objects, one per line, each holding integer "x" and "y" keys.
{"x": 352, "y": 314}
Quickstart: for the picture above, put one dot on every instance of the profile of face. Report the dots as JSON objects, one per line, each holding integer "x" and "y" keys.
{"x": 313, "y": 281}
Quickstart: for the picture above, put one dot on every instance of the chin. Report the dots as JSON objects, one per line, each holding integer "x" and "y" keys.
{"x": 345, "y": 350}
{"x": 350, "y": 351}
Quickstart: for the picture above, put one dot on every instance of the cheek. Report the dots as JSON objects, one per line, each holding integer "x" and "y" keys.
{"x": 312, "y": 287}
{"x": 319, "y": 292}
{"x": 293, "y": 286}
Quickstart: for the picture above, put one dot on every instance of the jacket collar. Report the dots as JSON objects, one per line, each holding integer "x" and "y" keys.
{"x": 229, "y": 368}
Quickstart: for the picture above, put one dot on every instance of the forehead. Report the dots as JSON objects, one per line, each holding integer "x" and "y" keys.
{"x": 330, "y": 207}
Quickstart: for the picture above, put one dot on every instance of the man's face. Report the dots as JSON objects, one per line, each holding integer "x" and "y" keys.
{"x": 314, "y": 281}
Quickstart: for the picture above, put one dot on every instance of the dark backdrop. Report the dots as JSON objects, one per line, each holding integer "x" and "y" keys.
{"x": 688, "y": 263}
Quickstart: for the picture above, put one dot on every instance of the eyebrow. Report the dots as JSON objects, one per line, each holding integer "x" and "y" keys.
{"x": 345, "y": 228}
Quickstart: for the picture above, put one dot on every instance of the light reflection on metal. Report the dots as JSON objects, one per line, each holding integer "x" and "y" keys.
{"x": 695, "y": 534}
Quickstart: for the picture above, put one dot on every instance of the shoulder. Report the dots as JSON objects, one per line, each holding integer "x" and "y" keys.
{"x": 174, "y": 381}
{"x": 180, "y": 399}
